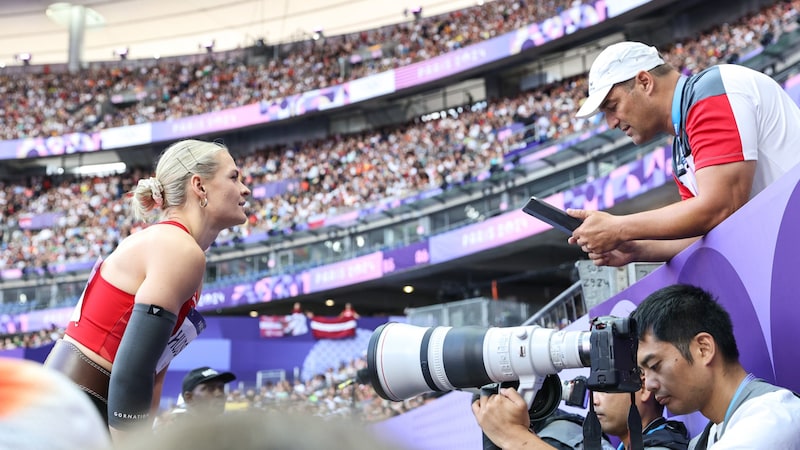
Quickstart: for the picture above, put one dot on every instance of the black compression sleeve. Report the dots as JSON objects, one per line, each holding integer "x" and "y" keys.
{"x": 130, "y": 390}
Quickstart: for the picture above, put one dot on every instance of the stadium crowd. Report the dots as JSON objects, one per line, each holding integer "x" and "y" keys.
{"x": 325, "y": 395}
{"x": 45, "y": 103}
{"x": 335, "y": 174}
{"x": 30, "y": 339}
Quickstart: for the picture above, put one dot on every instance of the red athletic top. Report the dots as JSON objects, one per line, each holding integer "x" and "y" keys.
{"x": 102, "y": 313}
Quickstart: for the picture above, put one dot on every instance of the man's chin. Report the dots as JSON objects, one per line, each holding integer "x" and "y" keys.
{"x": 676, "y": 410}
{"x": 637, "y": 139}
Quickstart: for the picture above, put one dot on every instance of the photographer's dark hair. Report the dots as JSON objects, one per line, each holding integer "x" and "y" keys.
{"x": 677, "y": 313}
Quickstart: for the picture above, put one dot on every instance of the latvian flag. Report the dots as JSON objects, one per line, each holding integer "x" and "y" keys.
{"x": 333, "y": 327}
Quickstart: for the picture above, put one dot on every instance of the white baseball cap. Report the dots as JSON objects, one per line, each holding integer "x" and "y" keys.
{"x": 617, "y": 63}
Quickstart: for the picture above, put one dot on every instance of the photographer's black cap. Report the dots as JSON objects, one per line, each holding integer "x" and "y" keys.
{"x": 204, "y": 375}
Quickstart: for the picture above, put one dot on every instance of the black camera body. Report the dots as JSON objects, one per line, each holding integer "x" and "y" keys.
{"x": 614, "y": 343}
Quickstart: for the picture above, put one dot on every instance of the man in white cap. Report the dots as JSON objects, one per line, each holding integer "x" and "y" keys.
{"x": 734, "y": 131}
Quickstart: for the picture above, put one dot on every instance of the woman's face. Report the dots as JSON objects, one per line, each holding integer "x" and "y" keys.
{"x": 227, "y": 195}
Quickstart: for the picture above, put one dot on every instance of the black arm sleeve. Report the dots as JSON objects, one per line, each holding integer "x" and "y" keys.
{"x": 130, "y": 391}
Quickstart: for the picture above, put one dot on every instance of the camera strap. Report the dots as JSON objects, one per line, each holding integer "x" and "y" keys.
{"x": 635, "y": 425}
{"x": 592, "y": 432}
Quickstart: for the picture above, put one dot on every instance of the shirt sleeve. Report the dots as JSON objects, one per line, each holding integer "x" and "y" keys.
{"x": 770, "y": 420}
{"x": 716, "y": 126}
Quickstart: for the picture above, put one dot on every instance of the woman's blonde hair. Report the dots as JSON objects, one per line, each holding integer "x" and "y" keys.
{"x": 168, "y": 187}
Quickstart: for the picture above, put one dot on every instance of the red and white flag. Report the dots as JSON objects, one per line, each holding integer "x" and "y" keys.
{"x": 271, "y": 326}
{"x": 333, "y": 327}
{"x": 279, "y": 326}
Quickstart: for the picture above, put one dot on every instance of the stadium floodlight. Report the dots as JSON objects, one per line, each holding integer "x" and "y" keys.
{"x": 100, "y": 169}
{"x": 25, "y": 57}
{"x": 208, "y": 45}
{"x": 122, "y": 53}
{"x": 317, "y": 34}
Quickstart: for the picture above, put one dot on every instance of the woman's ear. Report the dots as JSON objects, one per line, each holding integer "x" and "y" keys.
{"x": 197, "y": 185}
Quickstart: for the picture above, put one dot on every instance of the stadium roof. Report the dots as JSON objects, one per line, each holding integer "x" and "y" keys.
{"x": 179, "y": 27}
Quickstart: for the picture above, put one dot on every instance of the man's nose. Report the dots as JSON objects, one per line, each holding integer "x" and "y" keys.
{"x": 650, "y": 383}
{"x": 612, "y": 121}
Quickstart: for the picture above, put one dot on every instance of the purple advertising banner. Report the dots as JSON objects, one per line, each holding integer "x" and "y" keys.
{"x": 253, "y": 114}
{"x": 567, "y": 22}
{"x": 75, "y": 266}
{"x": 274, "y": 188}
{"x": 39, "y": 221}
{"x": 35, "y": 320}
{"x": 228, "y": 119}
{"x": 413, "y": 255}
{"x": 50, "y": 146}
{"x": 450, "y": 63}
{"x": 263, "y": 290}
{"x": 494, "y": 232}
{"x": 322, "y": 99}
{"x": 623, "y": 183}
{"x": 352, "y": 271}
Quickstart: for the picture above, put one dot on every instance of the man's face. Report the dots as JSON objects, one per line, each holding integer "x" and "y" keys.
{"x": 679, "y": 385}
{"x": 612, "y": 411}
{"x": 207, "y": 398}
{"x": 629, "y": 108}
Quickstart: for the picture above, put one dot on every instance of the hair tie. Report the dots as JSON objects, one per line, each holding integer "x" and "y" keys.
{"x": 156, "y": 189}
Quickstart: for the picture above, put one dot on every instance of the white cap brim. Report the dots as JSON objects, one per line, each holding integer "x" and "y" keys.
{"x": 591, "y": 105}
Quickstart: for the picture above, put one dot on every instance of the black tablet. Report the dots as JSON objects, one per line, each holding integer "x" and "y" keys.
{"x": 548, "y": 213}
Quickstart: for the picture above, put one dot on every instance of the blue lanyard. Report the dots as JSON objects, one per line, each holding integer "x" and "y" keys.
{"x": 677, "y": 98}
{"x": 660, "y": 427}
{"x": 750, "y": 377}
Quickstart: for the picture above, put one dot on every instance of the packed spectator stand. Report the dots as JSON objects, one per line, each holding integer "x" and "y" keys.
{"x": 46, "y": 102}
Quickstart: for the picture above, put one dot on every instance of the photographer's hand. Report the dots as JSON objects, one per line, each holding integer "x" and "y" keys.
{"x": 504, "y": 419}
